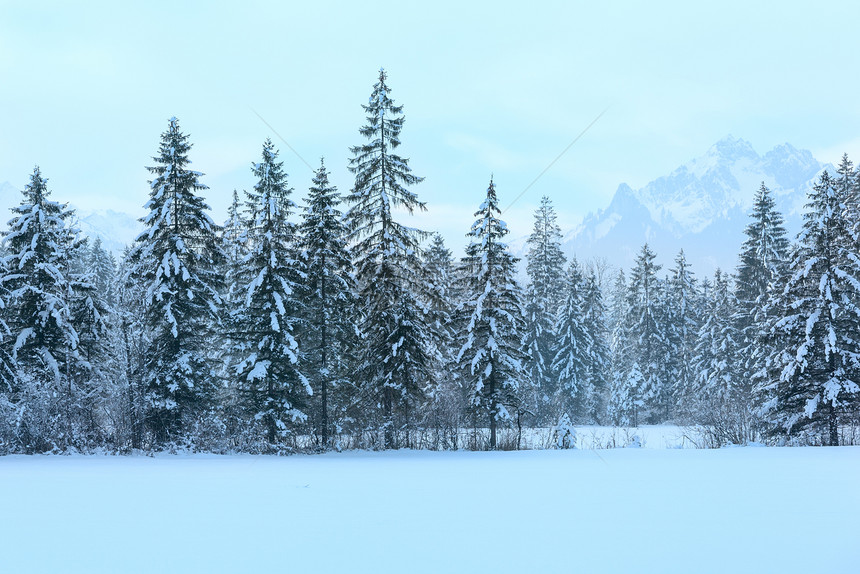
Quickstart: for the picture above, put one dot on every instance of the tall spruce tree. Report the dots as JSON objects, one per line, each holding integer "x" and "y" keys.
{"x": 92, "y": 307}
{"x": 271, "y": 385}
{"x": 620, "y": 359}
{"x": 646, "y": 335}
{"x": 327, "y": 293}
{"x": 762, "y": 270}
{"x": 572, "y": 348}
{"x": 441, "y": 294}
{"x": 44, "y": 341}
{"x": 820, "y": 347}
{"x": 176, "y": 259}
{"x": 722, "y": 394}
{"x": 393, "y": 367}
{"x": 683, "y": 326}
{"x": 597, "y": 367}
{"x": 235, "y": 239}
{"x": 490, "y": 319}
{"x": 546, "y": 293}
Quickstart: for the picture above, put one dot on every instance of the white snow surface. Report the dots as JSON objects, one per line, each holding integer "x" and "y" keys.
{"x": 617, "y": 510}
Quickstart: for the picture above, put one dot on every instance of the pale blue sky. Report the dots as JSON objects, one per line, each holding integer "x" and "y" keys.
{"x": 86, "y": 89}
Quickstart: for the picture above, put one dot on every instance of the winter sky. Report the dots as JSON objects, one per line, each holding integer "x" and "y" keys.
{"x": 495, "y": 87}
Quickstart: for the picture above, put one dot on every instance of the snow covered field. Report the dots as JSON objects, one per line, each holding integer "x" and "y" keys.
{"x": 619, "y": 510}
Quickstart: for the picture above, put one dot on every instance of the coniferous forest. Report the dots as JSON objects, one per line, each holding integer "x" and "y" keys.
{"x": 318, "y": 319}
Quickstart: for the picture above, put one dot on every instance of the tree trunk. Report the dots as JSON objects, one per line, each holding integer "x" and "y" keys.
{"x": 833, "y": 426}
{"x": 388, "y": 422}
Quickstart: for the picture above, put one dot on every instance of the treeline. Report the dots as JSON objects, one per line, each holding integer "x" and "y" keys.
{"x": 334, "y": 325}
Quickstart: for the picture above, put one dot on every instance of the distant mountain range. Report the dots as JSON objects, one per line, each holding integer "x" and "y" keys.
{"x": 115, "y": 229}
{"x": 702, "y": 207}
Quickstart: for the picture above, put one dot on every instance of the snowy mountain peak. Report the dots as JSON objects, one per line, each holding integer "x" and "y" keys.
{"x": 731, "y": 148}
{"x": 115, "y": 229}
{"x": 788, "y": 164}
{"x": 701, "y": 206}
{"x": 10, "y": 195}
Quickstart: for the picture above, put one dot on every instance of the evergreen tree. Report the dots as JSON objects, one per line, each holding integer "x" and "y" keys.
{"x": 763, "y": 266}
{"x": 599, "y": 355}
{"x": 646, "y": 337}
{"x": 43, "y": 337}
{"x": 134, "y": 344}
{"x": 620, "y": 361}
{"x": 446, "y": 400}
{"x": 235, "y": 245}
{"x": 270, "y": 382}
{"x": 625, "y": 399}
{"x": 327, "y": 293}
{"x": 92, "y": 309}
{"x": 683, "y": 326}
{"x": 573, "y": 346}
{"x": 393, "y": 364}
{"x": 820, "y": 351}
{"x": 176, "y": 259}
{"x": 545, "y": 267}
{"x": 723, "y": 396}
{"x": 490, "y": 319}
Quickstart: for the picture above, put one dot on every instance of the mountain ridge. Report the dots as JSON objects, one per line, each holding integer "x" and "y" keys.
{"x": 702, "y": 207}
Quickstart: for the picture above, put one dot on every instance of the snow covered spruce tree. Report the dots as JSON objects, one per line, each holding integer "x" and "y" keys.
{"x": 135, "y": 342}
{"x": 234, "y": 240}
{"x": 761, "y": 273}
{"x": 445, "y": 407}
{"x": 620, "y": 360}
{"x": 234, "y": 236}
{"x": 271, "y": 386}
{"x": 646, "y": 337}
{"x": 682, "y": 300}
{"x": 572, "y": 348}
{"x": 42, "y": 341}
{"x": 327, "y": 291}
{"x": 546, "y": 293}
{"x": 490, "y": 320}
{"x": 722, "y": 397}
{"x": 176, "y": 259}
{"x": 393, "y": 370}
{"x": 819, "y": 353}
{"x": 597, "y": 367}
{"x": 97, "y": 372}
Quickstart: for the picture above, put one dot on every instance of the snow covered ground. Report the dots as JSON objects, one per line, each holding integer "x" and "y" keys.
{"x": 619, "y": 510}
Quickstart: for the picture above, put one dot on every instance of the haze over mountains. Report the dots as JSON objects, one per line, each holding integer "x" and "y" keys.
{"x": 116, "y": 229}
{"x": 701, "y": 207}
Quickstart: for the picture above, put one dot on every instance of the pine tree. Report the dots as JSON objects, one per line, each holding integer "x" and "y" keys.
{"x": 269, "y": 378}
{"x": 820, "y": 351}
{"x": 135, "y": 341}
{"x": 545, "y": 267}
{"x": 645, "y": 332}
{"x": 625, "y": 400}
{"x": 572, "y": 348}
{"x": 723, "y": 396}
{"x": 545, "y": 259}
{"x": 235, "y": 245}
{"x": 44, "y": 340}
{"x": 327, "y": 292}
{"x": 683, "y": 326}
{"x": 490, "y": 319}
{"x": 92, "y": 309}
{"x": 441, "y": 293}
{"x": 393, "y": 364}
{"x": 763, "y": 266}
{"x": 176, "y": 258}
{"x": 599, "y": 355}
{"x": 620, "y": 361}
